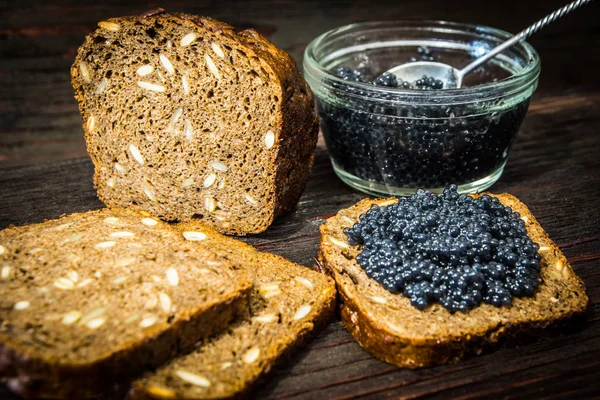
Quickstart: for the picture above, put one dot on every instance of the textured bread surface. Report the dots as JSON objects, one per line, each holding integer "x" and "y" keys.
{"x": 287, "y": 303}
{"x": 186, "y": 118}
{"x": 389, "y": 327}
{"x": 95, "y": 298}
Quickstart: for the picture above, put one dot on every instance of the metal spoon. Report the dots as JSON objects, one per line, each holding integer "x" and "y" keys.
{"x": 453, "y": 77}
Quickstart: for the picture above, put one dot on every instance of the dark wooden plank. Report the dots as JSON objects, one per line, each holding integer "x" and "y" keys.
{"x": 554, "y": 168}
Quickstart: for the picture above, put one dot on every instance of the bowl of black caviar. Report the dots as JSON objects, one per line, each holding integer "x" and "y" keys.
{"x": 386, "y": 136}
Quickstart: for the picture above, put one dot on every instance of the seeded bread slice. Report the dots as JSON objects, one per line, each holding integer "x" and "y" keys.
{"x": 187, "y": 118}
{"x": 287, "y": 303}
{"x": 98, "y": 297}
{"x": 389, "y": 327}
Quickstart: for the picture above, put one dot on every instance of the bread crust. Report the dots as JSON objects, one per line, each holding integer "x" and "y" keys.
{"x": 399, "y": 345}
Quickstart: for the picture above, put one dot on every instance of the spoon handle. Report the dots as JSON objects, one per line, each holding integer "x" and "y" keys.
{"x": 542, "y": 23}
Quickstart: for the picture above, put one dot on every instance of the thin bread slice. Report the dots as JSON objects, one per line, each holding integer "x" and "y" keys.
{"x": 287, "y": 303}
{"x": 389, "y": 327}
{"x": 186, "y": 117}
{"x": 94, "y": 298}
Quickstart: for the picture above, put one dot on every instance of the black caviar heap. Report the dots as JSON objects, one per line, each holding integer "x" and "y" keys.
{"x": 390, "y": 80}
{"x": 451, "y": 249}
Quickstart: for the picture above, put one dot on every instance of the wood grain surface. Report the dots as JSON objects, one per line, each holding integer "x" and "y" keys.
{"x": 554, "y": 168}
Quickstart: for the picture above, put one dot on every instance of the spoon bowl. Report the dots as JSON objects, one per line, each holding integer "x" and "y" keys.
{"x": 414, "y": 71}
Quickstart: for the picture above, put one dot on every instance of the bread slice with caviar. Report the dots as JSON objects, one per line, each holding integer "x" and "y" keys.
{"x": 186, "y": 117}
{"x": 288, "y": 302}
{"x": 95, "y": 298}
{"x": 393, "y": 330}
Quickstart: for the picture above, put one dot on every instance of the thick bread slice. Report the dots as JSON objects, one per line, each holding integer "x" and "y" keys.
{"x": 287, "y": 303}
{"x": 94, "y": 298}
{"x": 396, "y": 332}
{"x": 186, "y": 118}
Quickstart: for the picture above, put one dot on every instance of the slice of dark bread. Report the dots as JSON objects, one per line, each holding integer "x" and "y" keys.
{"x": 187, "y": 118}
{"x": 95, "y": 298}
{"x": 287, "y": 303}
{"x": 389, "y": 327}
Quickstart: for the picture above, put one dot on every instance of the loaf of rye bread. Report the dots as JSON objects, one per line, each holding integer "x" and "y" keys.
{"x": 288, "y": 302}
{"x": 185, "y": 117}
{"x": 389, "y": 327}
{"x": 95, "y": 298}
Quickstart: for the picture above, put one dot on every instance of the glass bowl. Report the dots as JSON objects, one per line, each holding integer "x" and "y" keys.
{"x": 392, "y": 141}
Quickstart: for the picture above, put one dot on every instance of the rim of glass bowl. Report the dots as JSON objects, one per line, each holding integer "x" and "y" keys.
{"x": 524, "y": 79}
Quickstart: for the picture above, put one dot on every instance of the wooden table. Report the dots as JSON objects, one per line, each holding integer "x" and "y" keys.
{"x": 554, "y": 168}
